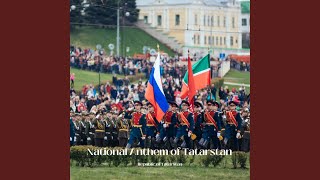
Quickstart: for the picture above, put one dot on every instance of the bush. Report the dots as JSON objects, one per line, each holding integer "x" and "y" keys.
{"x": 206, "y": 160}
{"x": 216, "y": 160}
{"x": 181, "y": 158}
{"x": 191, "y": 159}
{"x": 239, "y": 158}
{"x": 242, "y": 159}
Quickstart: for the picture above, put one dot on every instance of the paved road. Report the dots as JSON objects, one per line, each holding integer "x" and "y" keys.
{"x": 237, "y": 84}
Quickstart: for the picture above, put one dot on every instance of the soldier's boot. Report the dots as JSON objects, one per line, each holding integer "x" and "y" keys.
{"x": 184, "y": 144}
{"x": 128, "y": 146}
{"x": 201, "y": 142}
{"x": 158, "y": 138}
{"x": 89, "y": 141}
{"x": 205, "y": 144}
{"x": 175, "y": 142}
{"x": 165, "y": 139}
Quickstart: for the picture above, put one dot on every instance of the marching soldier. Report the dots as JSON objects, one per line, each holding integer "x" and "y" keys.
{"x": 198, "y": 119}
{"x": 212, "y": 125}
{"x": 186, "y": 125}
{"x": 108, "y": 130}
{"x": 123, "y": 129}
{"x": 72, "y": 128}
{"x": 138, "y": 126}
{"x": 168, "y": 130}
{"x": 233, "y": 127}
{"x": 76, "y": 123}
{"x": 114, "y": 129}
{"x": 152, "y": 127}
{"x": 99, "y": 126}
{"x": 245, "y": 130}
{"x": 90, "y": 129}
{"x": 83, "y": 128}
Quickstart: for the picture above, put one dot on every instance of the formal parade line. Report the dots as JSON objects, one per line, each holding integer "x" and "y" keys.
{"x": 166, "y": 152}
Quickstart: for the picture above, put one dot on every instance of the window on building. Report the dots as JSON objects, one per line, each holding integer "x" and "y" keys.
{"x": 236, "y": 41}
{"x": 224, "y": 41}
{"x": 198, "y": 39}
{"x": 194, "y": 39}
{"x": 232, "y": 22}
{"x": 159, "y": 20}
{"x": 195, "y": 19}
{"x": 209, "y": 40}
{"x": 145, "y": 18}
{"x": 177, "y": 19}
{"x": 204, "y": 20}
{"x": 217, "y": 39}
{"x": 231, "y": 41}
{"x": 218, "y": 20}
{"x": 212, "y": 40}
{"x": 224, "y": 21}
{"x": 220, "y": 41}
{"x": 208, "y": 18}
{"x": 205, "y": 39}
{"x": 244, "y": 22}
{"x": 212, "y": 18}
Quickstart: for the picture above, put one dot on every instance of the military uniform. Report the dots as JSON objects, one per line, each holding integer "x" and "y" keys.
{"x": 233, "y": 127}
{"x": 114, "y": 132}
{"x": 198, "y": 119}
{"x": 72, "y": 132}
{"x": 107, "y": 142}
{"x": 151, "y": 129}
{"x": 99, "y": 126}
{"x": 83, "y": 127}
{"x": 185, "y": 127}
{"x": 245, "y": 134}
{"x": 77, "y": 137}
{"x": 123, "y": 128}
{"x": 90, "y": 132}
{"x": 138, "y": 130}
{"x": 211, "y": 129}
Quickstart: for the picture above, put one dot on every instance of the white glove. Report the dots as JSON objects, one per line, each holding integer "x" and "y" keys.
{"x": 105, "y": 138}
{"x": 157, "y": 136}
{"x": 143, "y": 137}
{"x": 238, "y": 136}
{"x": 75, "y": 138}
{"x": 88, "y": 139}
{"x": 164, "y": 125}
{"x": 70, "y": 138}
{"x": 97, "y": 116}
{"x": 218, "y": 135}
{"x": 189, "y": 133}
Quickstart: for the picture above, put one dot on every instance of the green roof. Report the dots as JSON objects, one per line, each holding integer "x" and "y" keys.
{"x": 245, "y": 7}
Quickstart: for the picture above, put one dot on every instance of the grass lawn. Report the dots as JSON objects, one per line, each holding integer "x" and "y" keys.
{"x": 237, "y": 77}
{"x": 89, "y": 37}
{"x": 87, "y": 77}
{"x": 141, "y": 173}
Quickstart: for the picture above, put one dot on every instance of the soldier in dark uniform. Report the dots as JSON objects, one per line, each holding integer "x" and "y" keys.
{"x": 198, "y": 118}
{"x": 83, "y": 127}
{"x": 245, "y": 130}
{"x": 212, "y": 126}
{"x": 114, "y": 129}
{"x": 186, "y": 125}
{"x": 138, "y": 130}
{"x": 72, "y": 129}
{"x": 77, "y": 137}
{"x": 123, "y": 128}
{"x": 90, "y": 129}
{"x": 99, "y": 126}
{"x": 107, "y": 142}
{"x": 168, "y": 129}
{"x": 152, "y": 126}
{"x": 233, "y": 127}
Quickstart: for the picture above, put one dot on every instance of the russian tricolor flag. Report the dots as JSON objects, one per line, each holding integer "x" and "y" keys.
{"x": 154, "y": 92}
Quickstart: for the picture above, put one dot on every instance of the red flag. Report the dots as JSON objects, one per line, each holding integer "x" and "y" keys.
{"x": 191, "y": 85}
